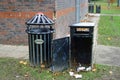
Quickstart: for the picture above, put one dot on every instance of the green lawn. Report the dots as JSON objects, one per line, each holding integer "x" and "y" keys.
{"x": 12, "y": 69}
{"x": 109, "y": 30}
{"x": 112, "y": 9}
{"x": 109, "y": 26}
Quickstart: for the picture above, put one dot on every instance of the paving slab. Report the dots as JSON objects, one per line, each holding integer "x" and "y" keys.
{"x": 14, "y": 51}
{"x": 107, "y": 55}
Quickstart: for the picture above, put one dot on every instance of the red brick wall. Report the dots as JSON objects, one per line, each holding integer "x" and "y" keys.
{"x": 14, "y": 14}
{"x": 65, "y": 11}
{"x": 22, "y": 15}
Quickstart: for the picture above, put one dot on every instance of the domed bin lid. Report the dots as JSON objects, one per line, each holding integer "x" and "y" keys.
{"x": 40, "y": 19}
{"x": 39, "y": 24}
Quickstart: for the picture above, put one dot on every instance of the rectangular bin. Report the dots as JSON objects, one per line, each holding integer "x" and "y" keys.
{"x": 81, "y": 36}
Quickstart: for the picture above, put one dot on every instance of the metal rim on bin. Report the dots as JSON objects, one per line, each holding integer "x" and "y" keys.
{"x": 38, "y": 31}
{"x": 83, "y": 24}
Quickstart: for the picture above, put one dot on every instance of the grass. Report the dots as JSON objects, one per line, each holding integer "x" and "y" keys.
{"x": 113, "y": 9}
{"x": 11, "y": 69}
{"x": 109, "y": 30}
{"x": 109, "y": 26}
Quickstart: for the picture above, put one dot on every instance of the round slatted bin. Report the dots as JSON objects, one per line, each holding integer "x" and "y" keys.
{"x": 40, "y": 35}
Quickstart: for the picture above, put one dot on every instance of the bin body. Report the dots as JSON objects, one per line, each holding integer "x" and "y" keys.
{"x": 40, "y": 49}
{"x": 98, "y": 8}
{"x": 81, "y": 44}
{"x": 91, "y": 8}
{"x": 40, "y": 35}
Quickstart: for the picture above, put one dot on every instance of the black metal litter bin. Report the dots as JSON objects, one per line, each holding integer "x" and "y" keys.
{"x": 91, "y": 8}
{"x": 98, "y": 8}
{"x": 81, "y": 35}
{"x": 40, "y": 35}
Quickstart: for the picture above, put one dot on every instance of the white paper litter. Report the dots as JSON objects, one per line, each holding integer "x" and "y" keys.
{"x": 77, "y": 76}
{"x": 89, "y": 68}
{"x": 71, "y": 73}
{"x": 80, "y": 69}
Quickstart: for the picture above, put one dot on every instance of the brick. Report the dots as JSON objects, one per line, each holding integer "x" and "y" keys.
{"x": 65, "y": 11}
{"x": 14, "y": 14}
{"x": 3, "y": 33}
{"x": 22, "y": 15}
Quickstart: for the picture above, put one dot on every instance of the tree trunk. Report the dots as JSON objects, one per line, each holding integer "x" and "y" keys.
{"x": 108, "y": 3}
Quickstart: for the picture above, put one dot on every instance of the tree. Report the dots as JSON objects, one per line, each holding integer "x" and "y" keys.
{"x": 110, "y": 2}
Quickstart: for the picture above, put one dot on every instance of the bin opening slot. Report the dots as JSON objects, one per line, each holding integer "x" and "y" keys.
{"x": 82, "y": 30}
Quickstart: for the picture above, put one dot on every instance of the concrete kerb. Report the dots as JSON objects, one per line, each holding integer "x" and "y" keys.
{"x": 95, "y": 19}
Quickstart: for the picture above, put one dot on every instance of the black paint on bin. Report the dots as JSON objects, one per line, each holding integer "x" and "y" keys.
{"x": 60, "y": 54}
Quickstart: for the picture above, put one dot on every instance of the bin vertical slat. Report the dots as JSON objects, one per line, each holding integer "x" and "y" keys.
{"x": 39, "y": 50}
{"x": 51, "y": 36}
{"x": 45, "y": 47}
{"x": 37, "y": 53}
{"x": 33, "y": 49}
{"x": 41, "y": 56}
{"x": 30, "y": 52}
{"x": 48, "y": 48}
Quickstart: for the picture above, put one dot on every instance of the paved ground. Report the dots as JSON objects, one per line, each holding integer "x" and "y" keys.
{"x": 14, "y": 51}
{"x": 102, "y": 54}
{"x": 110, "y": 14}
{"x": 107, "y": 55}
